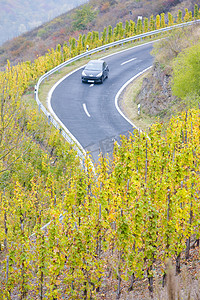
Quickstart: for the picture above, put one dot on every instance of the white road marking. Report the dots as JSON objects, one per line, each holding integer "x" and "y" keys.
{"x": 67, "y": 75}
{"x": 120, "y": 91}
{"x": 86, "y": 111}
{"x": 91, "y": 85}
{"x": 128, "y": 61}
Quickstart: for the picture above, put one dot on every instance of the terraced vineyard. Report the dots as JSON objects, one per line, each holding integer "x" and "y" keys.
{"x": 117, "y": 223}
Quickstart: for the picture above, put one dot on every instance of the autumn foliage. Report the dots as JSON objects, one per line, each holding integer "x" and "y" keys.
{"x": 64, "y": 228}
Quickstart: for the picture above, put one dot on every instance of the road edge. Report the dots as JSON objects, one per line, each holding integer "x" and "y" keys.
{"x": 120, "y": 92}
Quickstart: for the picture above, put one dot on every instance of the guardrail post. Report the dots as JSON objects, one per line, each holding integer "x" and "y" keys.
{"x": 88, "y": 53}
{"x": 35, "y": 92}
{"x": 139, "y": 109}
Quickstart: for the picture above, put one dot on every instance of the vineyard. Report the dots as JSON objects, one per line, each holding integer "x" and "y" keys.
{"x": 139, "y": 208}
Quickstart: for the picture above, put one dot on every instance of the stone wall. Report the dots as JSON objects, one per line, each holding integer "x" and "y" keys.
{"x": 155, "y": 96}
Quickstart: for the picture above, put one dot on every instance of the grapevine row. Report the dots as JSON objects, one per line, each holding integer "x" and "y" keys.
{"x": 141, "y": 208}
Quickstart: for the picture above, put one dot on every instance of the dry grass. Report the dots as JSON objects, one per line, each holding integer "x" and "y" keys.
{"x": 185, "y": 286}
{"x": 128, "y": 104}
{"x": 60, "y": 29}
{"x": 168, "y": 49}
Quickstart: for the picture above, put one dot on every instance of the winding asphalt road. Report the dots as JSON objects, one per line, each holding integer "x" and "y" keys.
{"x": 88, "y": 111}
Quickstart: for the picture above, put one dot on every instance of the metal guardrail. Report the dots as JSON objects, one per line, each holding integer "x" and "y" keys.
{"x": 67, "y": 135}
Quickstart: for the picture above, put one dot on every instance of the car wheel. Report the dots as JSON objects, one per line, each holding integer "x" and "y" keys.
{"x": 101, "y": 79}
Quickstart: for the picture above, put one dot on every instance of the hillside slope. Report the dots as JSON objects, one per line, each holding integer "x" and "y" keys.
{"x": 93, "y": 16}
{"x": 110, "y": 233}
{"x": 156, "y": 97}
{"x": 18, "y": 16}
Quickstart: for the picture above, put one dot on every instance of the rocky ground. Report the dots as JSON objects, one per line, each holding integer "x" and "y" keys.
{"x": 155, "y": 96}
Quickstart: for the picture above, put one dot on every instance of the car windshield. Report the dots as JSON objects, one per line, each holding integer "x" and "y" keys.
{"x": 94, "y": 66}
